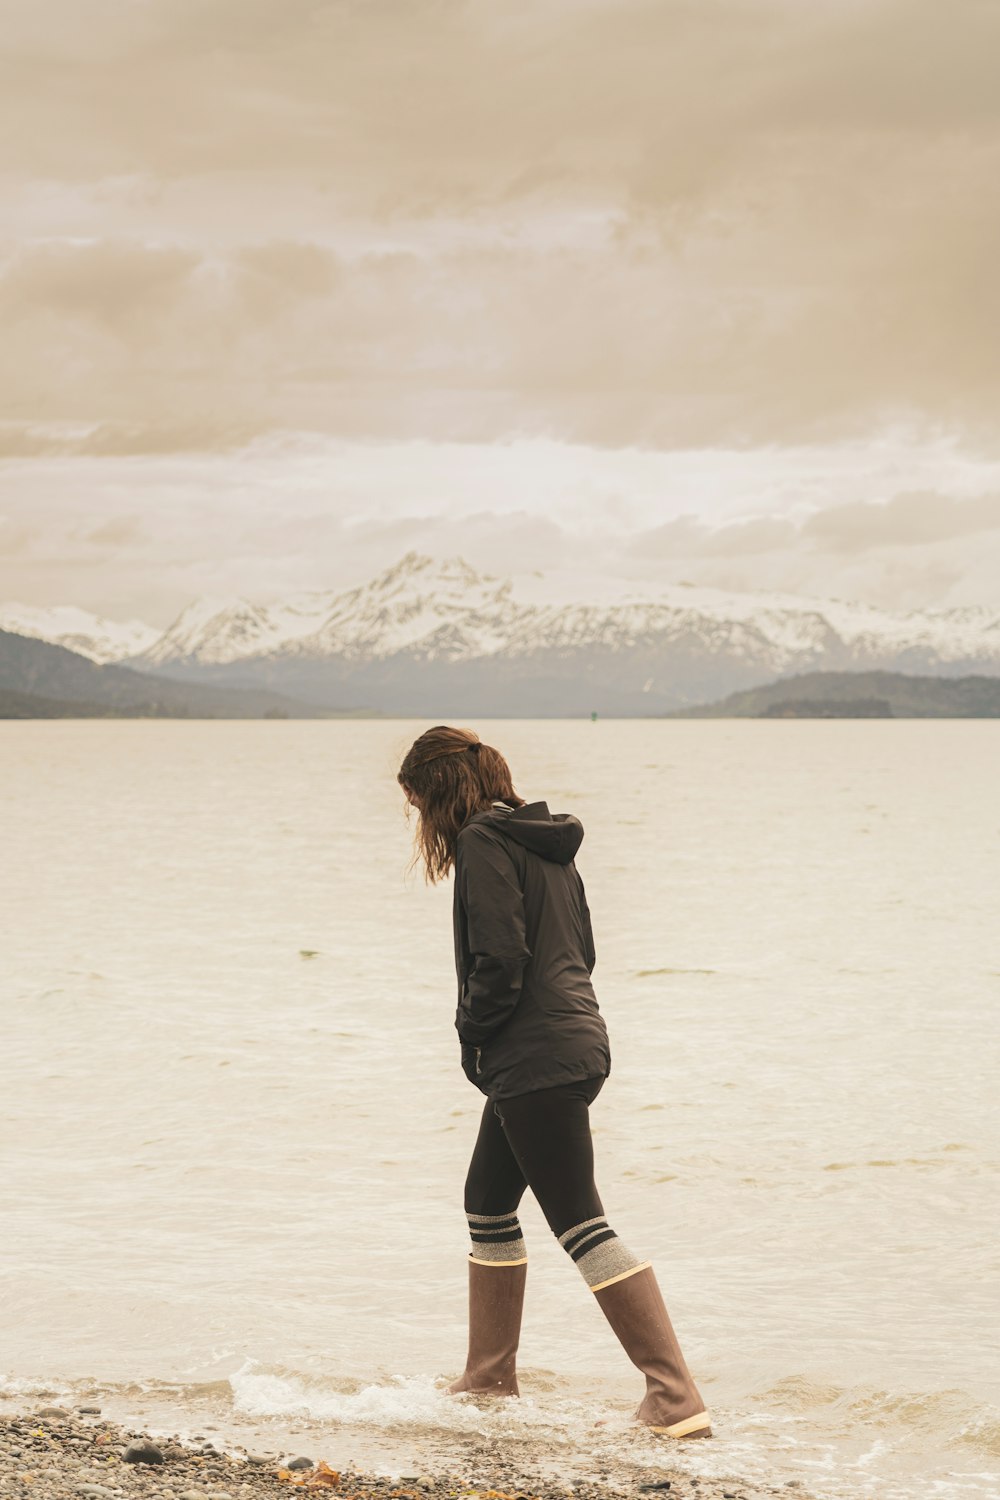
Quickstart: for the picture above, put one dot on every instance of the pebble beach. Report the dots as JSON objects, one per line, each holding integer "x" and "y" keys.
{"x": 59, "y": 1454}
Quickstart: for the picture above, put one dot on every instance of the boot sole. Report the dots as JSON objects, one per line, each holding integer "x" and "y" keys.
{"x": 696, "y": 1426}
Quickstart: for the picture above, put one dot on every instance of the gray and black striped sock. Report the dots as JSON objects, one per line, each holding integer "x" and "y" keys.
{"x": 599, "y": 1254}
{"x": 497, "y": 1240}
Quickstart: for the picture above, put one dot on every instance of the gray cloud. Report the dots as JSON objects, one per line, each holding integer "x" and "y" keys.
{"x": 119, "y": 531}
{"x": 907, "y": 520}
{"x": 150, "y": 558}
{"x": 629, "y": 222}
{"x": 687, "y": 536}
{"x": 718, "y": 227}
{"x": 911, "y": 551}
{"x": 124, "y": 439}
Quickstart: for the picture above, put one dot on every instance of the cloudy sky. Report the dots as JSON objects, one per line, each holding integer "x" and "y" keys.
{"x": 683, "y": 289}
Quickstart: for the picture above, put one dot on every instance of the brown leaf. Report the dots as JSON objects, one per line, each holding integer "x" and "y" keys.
{"x": 323, "y": 1476}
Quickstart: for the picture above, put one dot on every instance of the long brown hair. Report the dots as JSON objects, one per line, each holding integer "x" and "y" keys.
{"x": 453, "y": 775}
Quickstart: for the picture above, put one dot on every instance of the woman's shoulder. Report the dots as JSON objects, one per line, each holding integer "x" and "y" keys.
{"x": 485, "y": 827}
{"x": 480, "y": 828}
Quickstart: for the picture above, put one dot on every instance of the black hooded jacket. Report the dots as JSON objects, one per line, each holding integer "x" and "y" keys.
{"x": 524, "y": 951}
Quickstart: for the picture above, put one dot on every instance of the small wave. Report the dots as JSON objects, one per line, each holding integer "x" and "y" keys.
{"x": 405, "y": 1402}
{"x": 546, "y": 1432}
{"x": 193, "y": 1392}
{"x": 939, "y": 1419}
{"x": 800, "y": 1393}
{"x": 14, "y": 1386}
{"x": 982, "y": 1435}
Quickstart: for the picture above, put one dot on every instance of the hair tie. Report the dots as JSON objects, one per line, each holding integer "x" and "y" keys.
{"x": 451, "y": 750}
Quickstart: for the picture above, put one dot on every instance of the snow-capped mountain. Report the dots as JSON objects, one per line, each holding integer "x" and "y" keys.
{"x": 445, "y": 610}
{"x": 78, "y": 630}
{"x": 432, "y": 636}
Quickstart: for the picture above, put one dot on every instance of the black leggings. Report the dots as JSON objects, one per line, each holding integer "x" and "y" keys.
{"x": 542, "y": 1141}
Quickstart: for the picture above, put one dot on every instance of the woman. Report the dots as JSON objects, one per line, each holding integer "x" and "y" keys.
{"x": 534, "y": 1042}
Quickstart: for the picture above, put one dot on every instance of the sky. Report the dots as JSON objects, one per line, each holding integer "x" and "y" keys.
{"x": 677, "y": 289}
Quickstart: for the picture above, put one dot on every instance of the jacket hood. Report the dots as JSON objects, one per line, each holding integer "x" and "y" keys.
{"x": 555, "y": 836}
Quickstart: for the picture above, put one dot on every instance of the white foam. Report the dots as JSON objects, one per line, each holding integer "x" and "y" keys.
{"x": 409, "y": 1401}
{"x": 12, "y": 1387}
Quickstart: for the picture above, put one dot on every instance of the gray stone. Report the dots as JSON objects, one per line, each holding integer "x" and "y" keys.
{"x": 89, "y": 1411}
{"x": 142, "y": 1452}
{"x": 299, "y": 1463}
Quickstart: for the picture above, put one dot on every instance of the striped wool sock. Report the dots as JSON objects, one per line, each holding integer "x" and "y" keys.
{"x": 599, "y": 1254}
{"x": 497, "y": 1240}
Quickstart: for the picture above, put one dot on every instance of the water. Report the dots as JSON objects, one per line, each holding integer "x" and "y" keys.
{"x": 235, "y": 1131}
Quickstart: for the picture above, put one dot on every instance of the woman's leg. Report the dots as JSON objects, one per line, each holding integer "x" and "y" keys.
{"x": 549, "y": 1135}
{"x": 494, "y": 1187}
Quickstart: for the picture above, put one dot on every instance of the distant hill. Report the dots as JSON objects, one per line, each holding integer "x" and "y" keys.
{"x": 31, "y": 706}
{"x": 857, "y": 695}
{"x": 42, "y": 681}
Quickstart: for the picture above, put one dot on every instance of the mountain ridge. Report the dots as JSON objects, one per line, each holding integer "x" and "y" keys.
{"x": 440, "y": 633}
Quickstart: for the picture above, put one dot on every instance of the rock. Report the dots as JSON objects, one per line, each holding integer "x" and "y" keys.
{"x": 193, "y": 1495}
{"x": 299, "y": 1463}
{"x": 93, "y": 1489}
{"x": 52, "y": 1411}
{"x": 89, "y": 1411}
{"x": 255, "y": 1458}
{"x": 142, "y": 1452}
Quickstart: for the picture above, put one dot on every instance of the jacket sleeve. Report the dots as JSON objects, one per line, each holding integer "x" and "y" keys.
{"x": 494, "y": 905}
{"x": 588, "y": 931}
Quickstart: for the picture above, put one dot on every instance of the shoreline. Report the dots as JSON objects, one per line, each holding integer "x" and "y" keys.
{"x": 61, "y": 1453}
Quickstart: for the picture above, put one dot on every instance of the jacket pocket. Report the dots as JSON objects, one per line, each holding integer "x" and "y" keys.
{"x": 469, "y": 1061}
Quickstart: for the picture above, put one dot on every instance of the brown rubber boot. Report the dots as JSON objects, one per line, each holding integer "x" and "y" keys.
{"x": 635, "y": 1309}
{"x": 496, "y": 1296}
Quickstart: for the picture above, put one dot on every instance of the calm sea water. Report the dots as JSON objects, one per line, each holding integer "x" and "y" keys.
{"x": 235, "y": 1131}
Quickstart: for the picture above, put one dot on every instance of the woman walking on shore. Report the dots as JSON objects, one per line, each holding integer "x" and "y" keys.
{"x": 534, "y": 1042}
